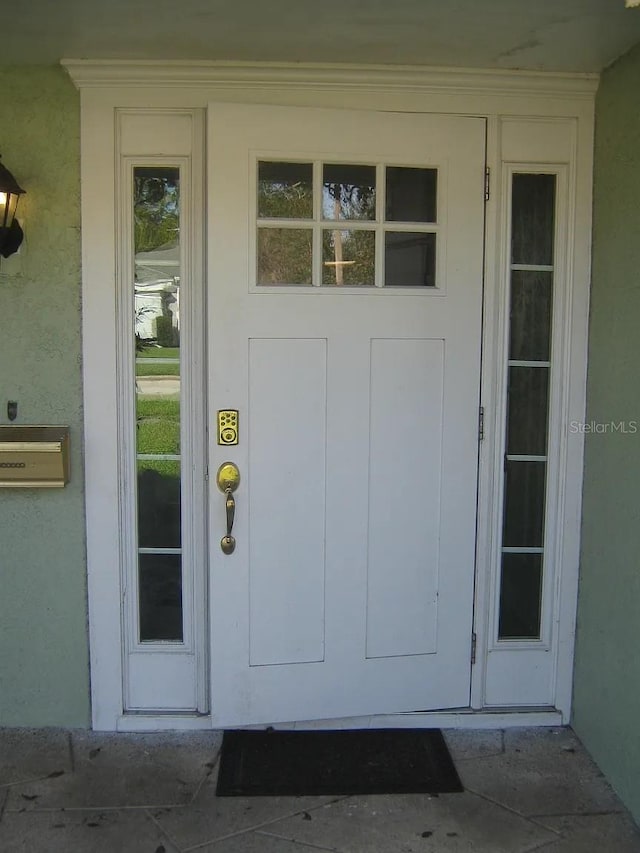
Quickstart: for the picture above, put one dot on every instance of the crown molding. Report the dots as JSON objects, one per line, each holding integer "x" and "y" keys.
{"x": 328, "y": 77}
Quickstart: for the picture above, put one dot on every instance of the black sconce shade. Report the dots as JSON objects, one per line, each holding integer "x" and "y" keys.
{"x": 10, "y": 231}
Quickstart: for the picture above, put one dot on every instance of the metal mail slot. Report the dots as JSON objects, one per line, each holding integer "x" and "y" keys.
{"x": 34, "y": 457}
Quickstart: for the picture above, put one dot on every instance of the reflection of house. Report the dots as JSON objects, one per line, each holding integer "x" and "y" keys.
{"x": 157, "y": 289}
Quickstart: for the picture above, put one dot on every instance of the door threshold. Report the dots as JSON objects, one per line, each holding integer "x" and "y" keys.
{"x": 463, "y": 718}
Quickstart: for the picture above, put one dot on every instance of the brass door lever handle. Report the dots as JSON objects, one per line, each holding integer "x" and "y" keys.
{"x": 228, "y": 543}
{"x": 228, "y": 480}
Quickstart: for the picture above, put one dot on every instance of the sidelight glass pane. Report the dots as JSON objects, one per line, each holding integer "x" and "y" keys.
{"x": 160, "y": 597}
{"x": 532, "y": 221}
{"x": 284, "y": 256}
{"x": 409, "y": 259}
{"x": 158, "y": 421}
{"x": 159, "y": 502}
{"x": 527, "y": 411}
{"x": 410, "y": 194}
{"x": 524, "y": 504}
{"x": 348, "y": 191}
{"x": 156, "y": 215}
{"x": 348, "y": 258}
{"x": 285, "y": 190}
{"x": 530, "y": 318}
{"x": 520, "y": 597}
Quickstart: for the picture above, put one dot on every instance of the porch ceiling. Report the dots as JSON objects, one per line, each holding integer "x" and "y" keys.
{"x": 555, "y": 35}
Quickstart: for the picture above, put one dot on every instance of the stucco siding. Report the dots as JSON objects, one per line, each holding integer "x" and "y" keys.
{"x": 44, "y": 671}
{"x": 607, "y": 670}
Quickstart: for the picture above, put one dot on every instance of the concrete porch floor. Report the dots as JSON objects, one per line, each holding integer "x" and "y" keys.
{"x": 525, "y": 790}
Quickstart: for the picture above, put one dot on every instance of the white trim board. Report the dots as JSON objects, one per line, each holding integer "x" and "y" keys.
{"x": 425, "y": 79}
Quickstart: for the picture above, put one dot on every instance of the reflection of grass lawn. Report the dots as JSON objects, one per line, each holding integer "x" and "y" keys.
{"x": 147, "y": 369}
{"x": 158, "y": 425}
{"x": 157, "y": 369}
{"x": 160, "y": 352}
{"x": 158, "y": 432}
{"x": 164, "y": 467}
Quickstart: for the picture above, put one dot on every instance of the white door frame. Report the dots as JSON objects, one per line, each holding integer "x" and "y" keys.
{"x": 535, "y": 121}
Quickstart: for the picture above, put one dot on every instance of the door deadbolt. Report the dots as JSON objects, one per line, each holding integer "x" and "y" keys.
{"x": 228, "y": 426}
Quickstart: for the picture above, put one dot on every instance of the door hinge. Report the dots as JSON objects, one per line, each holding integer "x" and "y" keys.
{"x": 473, "y": 647}
{"x": 480, "y": 423}
{"x": 487, "y": 183}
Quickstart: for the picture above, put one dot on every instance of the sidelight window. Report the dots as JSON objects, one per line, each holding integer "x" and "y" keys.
{"x": 161, "y": 439}
{"x": 527, "y": 417}
{"x": 157, "y": 278}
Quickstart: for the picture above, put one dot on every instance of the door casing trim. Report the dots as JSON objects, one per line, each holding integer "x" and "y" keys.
{"x": 501, "y": 97}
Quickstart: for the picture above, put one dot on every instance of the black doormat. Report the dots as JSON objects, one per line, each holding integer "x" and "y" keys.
{"x": 367, "y": 761}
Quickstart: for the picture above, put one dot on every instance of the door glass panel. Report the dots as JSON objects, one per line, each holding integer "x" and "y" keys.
{"x": 530, "y": 319}
{"x": 285, "y": 190}
{"x": 410, "y": 194}
{"x": 527, "y": 410}
{"x": 532, "y": 225}
{"x": 313, "y": 254}
{"x": 156, "y": 222}
{"x": 520, "y": 596}
{"x": 409, "y": 259}
{"x": 160, "y": 597}
{"x": 348, "y": 257}
{"x": 284, "y": 255}
{"x": 348, "y": 191}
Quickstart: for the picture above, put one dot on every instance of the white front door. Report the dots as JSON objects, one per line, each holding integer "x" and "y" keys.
{"x": 345, "y": 288}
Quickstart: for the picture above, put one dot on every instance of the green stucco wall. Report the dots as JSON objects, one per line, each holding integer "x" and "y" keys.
{"x": 607, "y": 671}
{"x": 44, "y": 670}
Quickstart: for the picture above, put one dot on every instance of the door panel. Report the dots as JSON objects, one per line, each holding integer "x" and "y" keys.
{"x": 350, "y": 590}
{"x": 287, "y": 441}
{"x": 404, "y": 495}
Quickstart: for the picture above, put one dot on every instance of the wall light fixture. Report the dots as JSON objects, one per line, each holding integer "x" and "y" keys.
{"x": 10, "y": 231}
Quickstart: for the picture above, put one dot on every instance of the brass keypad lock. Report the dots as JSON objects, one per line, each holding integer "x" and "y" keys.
{"x": 227, "y": 426}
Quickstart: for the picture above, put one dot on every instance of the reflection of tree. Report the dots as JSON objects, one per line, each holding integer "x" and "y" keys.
{"x": 345, "y": 200}
{"x": 156, "y": 207}
{"x": 349, "y": 257}
{"x": 285, "y": 191}
{"x": 278, "y": 199}
{"x": 284, "y": 255}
